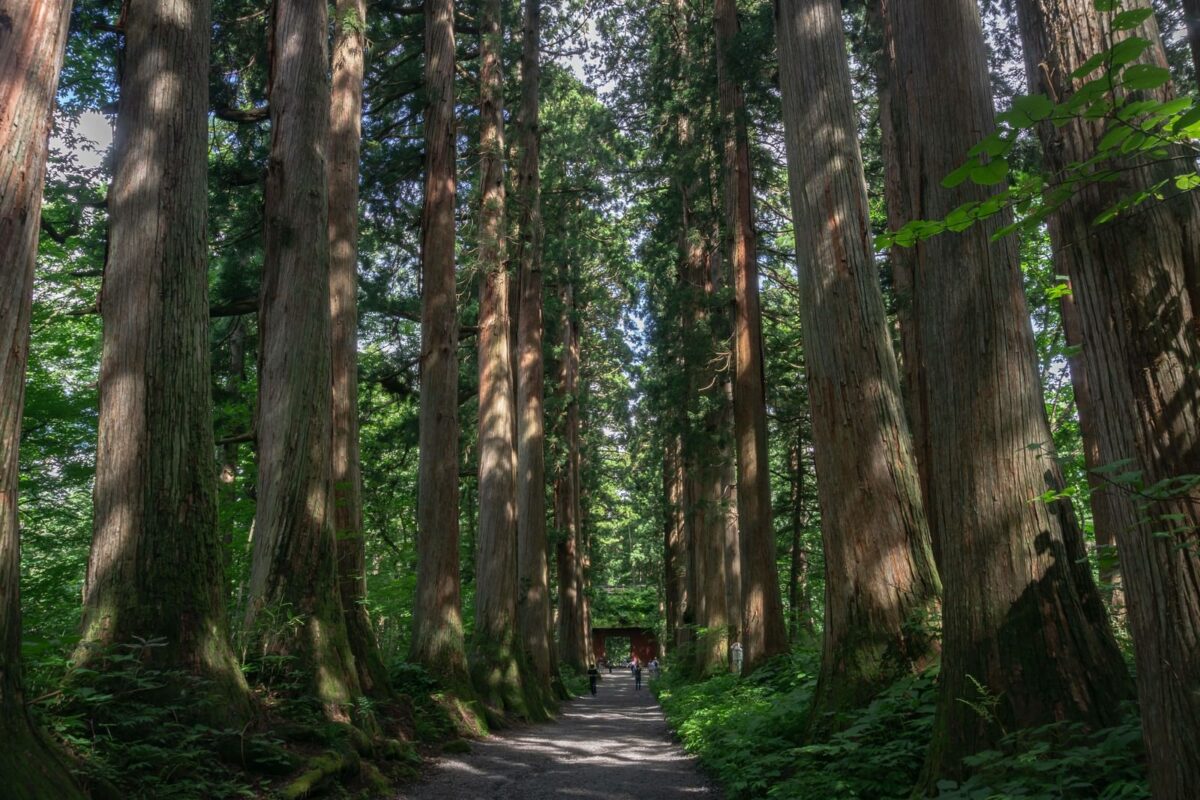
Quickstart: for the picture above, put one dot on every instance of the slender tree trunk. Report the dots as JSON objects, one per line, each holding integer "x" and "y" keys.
{"x": 733, "y": 543}
{"x": 1020, "y": 627}
{"x": 533, "y": 577}
{"x": 294, "y": 569}
{"x": 231, "y": 452}
{"x": 1104, "y": 500}
{"x": 495, "y": 665}
{"x": 156, "y": 564}
{"x": 674, "y": 543}
{"x": 1136, "y": 271}
{"x": 437, "y": 640}
{"x": 572, "y": 622}
{"x": 345, "y": 128}
{"x": 1191, "y": 16}
{"x": 762, "y": 611}
{"x": 799, "y": 602}
{"x": 881, "y": 586}
{"x": 31, "y": 52}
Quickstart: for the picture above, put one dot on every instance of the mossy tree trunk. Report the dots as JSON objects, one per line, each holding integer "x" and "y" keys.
{"x": 437, "y": 640}
{"x": 533, "y": 574}
{"x": 1021, "y": 630}
{"x": 156, "y": 569}
{"x": 494, "y": 653}
{"x": 295, "y": 606}
{"x": 881, "y": 587}
{"x": 345, "y": 134}
{"x": 1136, "y": 284}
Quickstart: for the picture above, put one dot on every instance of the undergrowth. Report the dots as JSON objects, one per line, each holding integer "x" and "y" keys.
{"x": 134, "y": 732}
{"x": 751, "y": 736}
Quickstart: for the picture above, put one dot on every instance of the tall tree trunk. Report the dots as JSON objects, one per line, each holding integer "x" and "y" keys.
{"x": 1138, "y": 326}
{"x": 1019, "y": 617}
{"x": 345, "y": 129}
{"x": 572, "y": 624}
{"x": 156, "y": 569}
{"x": 437, "y": 640}
{"x": 799, "y": 602}
{"x": 294, "y": 569}
{"x": 533, "y": 577}
{"x": 231, "y": 451}
{"x": 31, "y": 52}
{"x": 674, "y": 543}
{"x": 763, "y": 627}
{"x": 1104, "y": 501}
{"x": 733, "y": 539}
{"x": 881, "y": 586}
{"x": 495, "y": 665}
{"x": 1191, "y": 17}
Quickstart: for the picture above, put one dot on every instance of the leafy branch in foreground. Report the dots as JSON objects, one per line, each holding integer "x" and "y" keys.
{"x": 1140, "y": 132}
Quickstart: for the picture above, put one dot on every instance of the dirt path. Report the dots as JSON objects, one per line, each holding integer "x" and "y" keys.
{"x": 615, "y": 746}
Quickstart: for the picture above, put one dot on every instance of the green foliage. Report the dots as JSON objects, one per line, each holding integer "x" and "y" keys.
{"x": 1140, "y": 130}
{"x": 752, "y": 735}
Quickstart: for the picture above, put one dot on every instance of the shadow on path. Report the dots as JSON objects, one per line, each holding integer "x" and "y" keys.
{"x": 615, "y": 746}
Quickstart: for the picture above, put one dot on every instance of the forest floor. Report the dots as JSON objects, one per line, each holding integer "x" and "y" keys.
{"x": 615, "y": 746}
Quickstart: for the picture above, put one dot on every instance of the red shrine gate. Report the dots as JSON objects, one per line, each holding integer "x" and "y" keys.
{"x": 643, "y": 643}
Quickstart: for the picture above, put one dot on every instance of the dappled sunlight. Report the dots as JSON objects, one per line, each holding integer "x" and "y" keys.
{"x": 614, "y": 746}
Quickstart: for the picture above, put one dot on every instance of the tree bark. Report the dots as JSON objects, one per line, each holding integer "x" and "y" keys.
{"x": 294, "y": 570}
{"x": 674, "y": 544}
{"x": 733, "y": 539}
{"x": 1138, "y": 324}
{"x": 1020, "y": 621}
{"x": 1191, "y": 17}
{"x": 156, "y": 568}
{"x": 345, "y": 129}
{"x": 763, "y": 627}
{"x": 799, "y": 601}
{"x": 572, "y": 622}
{"x": 495, "y": 665}
{"x": 881, "y": 586}
{"x": 533, "y": 576}
{"x": 437, "y": 641}
{"x": 31, "y": 52}
{"x": 1104, "y": 502}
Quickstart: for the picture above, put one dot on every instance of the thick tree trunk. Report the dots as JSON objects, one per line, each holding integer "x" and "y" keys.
{"x": 495, "y": 665}
{"x": 763, "y": 628}
{"x": 345, "y": 134}
{"x": 437, "y": 640}
{"x": 1138, "y": 327}
{"x": 1019, "y": 621}
{"x": 294, "y": 569}
{"x": 881, "y": 587}
{"x": 156, "y": 564}
{"x": 31, "y": 51}
{"x": 533, "y": 577}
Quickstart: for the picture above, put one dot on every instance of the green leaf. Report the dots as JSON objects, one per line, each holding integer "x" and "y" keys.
{"x": 959, "y": 175}
{"x": 991, "y": 173}
{"x": 1128, "y": 20}
{"x": 1186, "y": 183}
{"x": 1037, "y": 106}
{"x": 1145, "y": 76}
{"x": 1114, "y": 137}
{"x": 1127, "y": 50}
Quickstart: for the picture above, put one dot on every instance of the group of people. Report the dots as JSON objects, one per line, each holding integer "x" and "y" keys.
{"x": 635, "y": 669}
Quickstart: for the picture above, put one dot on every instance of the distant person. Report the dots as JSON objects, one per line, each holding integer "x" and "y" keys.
{"x": 637, "y": 675}
{"x": 608, "y": 663}
{"x": 653, "y": 669}
{"x": 593, "y": 676}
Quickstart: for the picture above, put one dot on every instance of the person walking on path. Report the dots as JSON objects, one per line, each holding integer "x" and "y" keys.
{"x": 637, "y": 674}
{"x": 593, "y": 676}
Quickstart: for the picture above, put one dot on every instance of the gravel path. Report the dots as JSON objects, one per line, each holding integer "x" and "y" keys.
{"x": 615, "y": 746}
